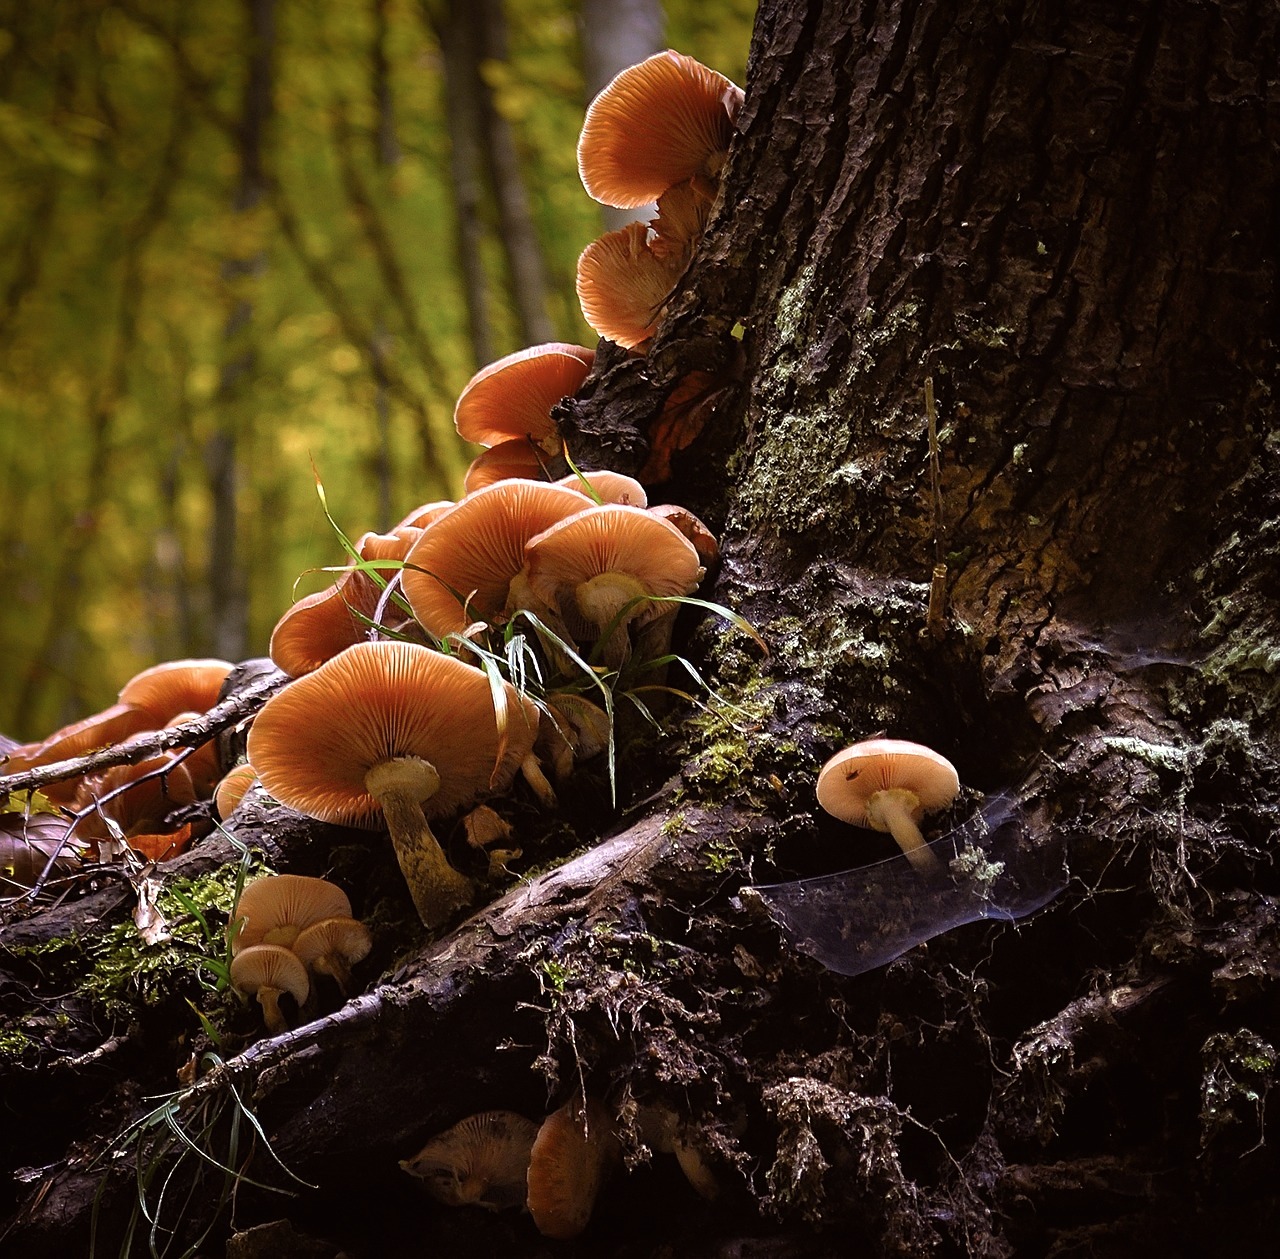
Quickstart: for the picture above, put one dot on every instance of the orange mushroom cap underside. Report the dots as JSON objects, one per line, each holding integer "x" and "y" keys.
{"x": 472, "y": 553}
{"x": 656, "y": 124}
{"x": 313, "y": 742}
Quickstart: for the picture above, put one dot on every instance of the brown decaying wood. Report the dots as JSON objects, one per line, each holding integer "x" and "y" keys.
{"x": 1064, "y": 218}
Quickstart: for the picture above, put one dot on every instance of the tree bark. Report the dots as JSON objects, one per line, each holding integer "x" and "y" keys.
{"x": 1064, "y": 221}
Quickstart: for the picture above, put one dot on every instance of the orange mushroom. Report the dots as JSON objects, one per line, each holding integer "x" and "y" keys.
{"x": 888, "y": 785}
{"x": 623, "y": 286}
{"x": 518, "y": 458}
{"x": 276, "y": 909}
{"x": 574, "y": 1149}
{"x": 398, "y": 731}
{"x": 604, "y": 566}
{"x": 657, "y": 124}
{"x": 463, "y": 567}
{"x": 513, "y": 397}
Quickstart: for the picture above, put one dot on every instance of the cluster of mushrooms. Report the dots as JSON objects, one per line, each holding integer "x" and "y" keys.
{"x": 395, "y": 713}
{"x": 285, "y": 928}
{"x": 659, "y": 132}
{"x": 499, "y": 1160}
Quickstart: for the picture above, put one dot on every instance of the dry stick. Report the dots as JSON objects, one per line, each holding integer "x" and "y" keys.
{"x": 937, "y": 618}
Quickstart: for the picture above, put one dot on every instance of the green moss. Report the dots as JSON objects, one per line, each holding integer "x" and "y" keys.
{"x": 722, "y": 856}
{"x": 14, "y": 1046}
{"x": 119, "y": 972}
{"x": 804, "y": 469}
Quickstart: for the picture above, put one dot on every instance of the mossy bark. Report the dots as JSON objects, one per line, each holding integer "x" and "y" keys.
{"x": 1065, "y": 219}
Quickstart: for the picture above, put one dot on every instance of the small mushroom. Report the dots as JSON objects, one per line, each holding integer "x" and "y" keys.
{"x": 888, "y": 785}
{"x": 266, "y": 971}
{"x": 663, "y": 1129}
{"x": 574, "y": 1149}
{"x": 277, "y": 908}
{"x": 481, "y": 1161}
{"x": 607, "y": 486}
{"x": 517, "y": 459}
{"x": 232, "y": 788}
{"x": 332, "y": 947}
{"x": 623, "y": 286}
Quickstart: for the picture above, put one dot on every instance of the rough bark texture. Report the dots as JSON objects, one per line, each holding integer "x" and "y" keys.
{"x": 1066, "y": 222}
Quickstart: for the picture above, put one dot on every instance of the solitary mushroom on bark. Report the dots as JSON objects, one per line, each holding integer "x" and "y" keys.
{"x": 574, "y": 1149}
{"x": 888, "y": 785}
{"x": 481, "y": 1161}
{"x": 398, "y": 730}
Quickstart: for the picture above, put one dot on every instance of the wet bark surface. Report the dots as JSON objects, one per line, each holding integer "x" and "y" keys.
{"x": 1065, "y": 223}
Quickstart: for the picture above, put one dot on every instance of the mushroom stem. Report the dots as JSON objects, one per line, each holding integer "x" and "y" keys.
{"x": 891, "y": 811}
{"x": 602, "y": 600}
{"x": 335, "y": 966}
{"x": 399, "y": 786}
{"x": 269, "y": 1000}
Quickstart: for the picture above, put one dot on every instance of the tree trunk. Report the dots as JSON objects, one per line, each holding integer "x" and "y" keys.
{"x": 223, "y": 452}
{"x": 1066, "y": 223}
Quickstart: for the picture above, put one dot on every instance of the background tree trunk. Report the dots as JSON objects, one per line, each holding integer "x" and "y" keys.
{"x": 1066, "y": 223}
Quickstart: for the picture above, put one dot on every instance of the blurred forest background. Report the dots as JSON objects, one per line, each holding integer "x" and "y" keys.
{"x": 244, "y": 236}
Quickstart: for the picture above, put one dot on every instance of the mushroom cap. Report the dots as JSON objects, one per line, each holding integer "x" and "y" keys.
{"x": 623, "y": 286}
{"x": 343, "y": 936}
{"x": 319, "y": 626}
{"x": 472, "y": 552}
{"x": 852, "y": 776}
{"x": 313, "y": 742}
{"x": 231, "y": 790}
{"x": 570, "y": 1156}
{"x": 612, "y": 538}
{"x": 682, "y": 218}
{"x": 420, "y": 517}
{"x": 270, "y": 966}
{"x": 275, "y": 909}
{"x": 513, "y": 397}
{"x": 177, "y": 686}
{"x": 510, "y": 460}
{"x": 481, "y": 1161}
{"x": 692, "y": 528}
{"x": 609, "y": 486}
{"x": 656, "y": 124}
